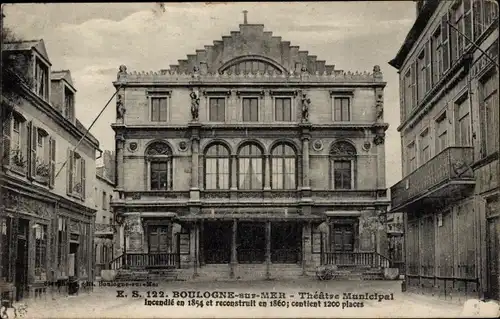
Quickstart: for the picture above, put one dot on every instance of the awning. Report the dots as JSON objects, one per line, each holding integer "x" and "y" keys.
{"x": 248, "y": 216}
{"x": 151, "y": 214}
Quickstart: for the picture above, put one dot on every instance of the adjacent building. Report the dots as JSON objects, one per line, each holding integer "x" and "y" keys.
{"x": 47, "y": 209}
{"x": 106, "y": 244}
{"x": 250, "y": 158}
{"x": 448, "y": 67}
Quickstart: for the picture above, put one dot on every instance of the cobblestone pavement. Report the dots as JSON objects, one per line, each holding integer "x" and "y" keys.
{"x": 104, "y": 303}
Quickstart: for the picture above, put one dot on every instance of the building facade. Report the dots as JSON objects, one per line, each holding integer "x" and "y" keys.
{"x": 249, "y": 157}
{"x": 106, "y": 240}
{"x": 450, "y": 138}
{"x": 47, "y": 211}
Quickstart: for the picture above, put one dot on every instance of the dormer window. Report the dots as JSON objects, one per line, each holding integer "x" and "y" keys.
{"x": 41, "y": 79}
{"x": 69, "y": 104}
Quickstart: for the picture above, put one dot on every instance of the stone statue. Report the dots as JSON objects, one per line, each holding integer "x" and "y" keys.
{"x": 120, "y": 108}
{"x": 122, "y": 72}
{"x": 195, "y": 105}
{"x": 305, "y": 107}
{"x": 379, "y": 104}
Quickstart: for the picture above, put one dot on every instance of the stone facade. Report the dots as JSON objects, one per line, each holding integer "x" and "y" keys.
{"x": 249, "y": 131}
{"x": 449, "y": 130}
{"x": 47, "y": 213}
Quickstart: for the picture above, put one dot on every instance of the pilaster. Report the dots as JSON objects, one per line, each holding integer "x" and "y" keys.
{"x": 194, "y": 191}
{"x": 120, "y": 170}
{"x": 268, "y": 250}
{"x": 234, "y": 176}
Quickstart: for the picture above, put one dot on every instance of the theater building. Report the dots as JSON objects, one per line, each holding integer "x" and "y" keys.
{"x": 250, "y": 158}
{"x": 450, "y": 138}
{"x": 46, "y": 209}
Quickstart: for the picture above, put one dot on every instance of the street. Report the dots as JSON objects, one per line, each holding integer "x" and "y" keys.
{"x": 298, "y": 298}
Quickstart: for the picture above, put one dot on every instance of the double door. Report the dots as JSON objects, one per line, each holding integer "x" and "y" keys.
{"x": 159, "y": 241}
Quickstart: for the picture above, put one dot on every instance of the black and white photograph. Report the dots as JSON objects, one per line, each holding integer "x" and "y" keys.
{"x": 294, "y": 159}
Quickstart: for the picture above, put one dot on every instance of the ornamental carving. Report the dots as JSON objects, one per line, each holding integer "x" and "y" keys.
{"x": 195, "y": 105}
{"x": 132, "y": 146}
{"x": 379, "y": 139}
{"x": 343, "y": 149}
{"x": 460, "y": 169}
{"x": 35, "y": 207}
{"x": 317, "y": 145}
{"x": 74, "y": 227}
{"x": 306, "y": 102}
{"x": 158, "y": 148}
{"x": 183, "y": 146}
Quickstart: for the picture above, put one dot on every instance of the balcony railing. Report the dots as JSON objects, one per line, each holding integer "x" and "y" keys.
{"x": 349, "y": 258}
{"x": 450, "y": 167}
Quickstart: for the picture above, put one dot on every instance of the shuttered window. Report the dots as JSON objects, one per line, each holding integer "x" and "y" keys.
{"x": 159, "y": 109}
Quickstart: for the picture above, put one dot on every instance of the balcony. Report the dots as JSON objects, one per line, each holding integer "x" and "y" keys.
{"x": 447, "y": 175}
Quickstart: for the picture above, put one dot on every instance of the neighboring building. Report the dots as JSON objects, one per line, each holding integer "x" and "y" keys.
{"x": 239, "y": 153}
{"x": 395, "y": 237}
{"x": 450, "y": 138}
{"x": 106, "y": 246}
{"x": 47, "y": 211}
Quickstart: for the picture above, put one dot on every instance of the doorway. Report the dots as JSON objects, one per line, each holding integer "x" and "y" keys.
{"x": 286, "y": 242}
{"x": 343, "y": 243}
{"x": 251, "y": 243}
{"x": 21, "y": 278}
{"x": 493, "y": 256}
{"x": 158, "y": 239}
{"x": 217, "y": 237}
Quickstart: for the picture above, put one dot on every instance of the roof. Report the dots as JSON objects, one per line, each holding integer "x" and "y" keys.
{"x": 27, "y": 45}
{"x": 62, "y": 75}
{"x": 251, "y": 40}
{"x": 420, "y": 23}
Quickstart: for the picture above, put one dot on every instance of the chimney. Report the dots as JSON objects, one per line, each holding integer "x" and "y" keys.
{"x": 245, "y": 21}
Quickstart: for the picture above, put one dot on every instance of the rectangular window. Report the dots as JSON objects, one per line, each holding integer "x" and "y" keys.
{"x": 437, "y": 56}
{"x": 341, "y": 108}
{"x": 68, "y": 104}
{"x": 76, "y": 175}
{"x": 104, "y": 205}
{"x": 41, "y": 79}
{"x": 421, "y": 67}
{"x": 441, "y": 133}
{"x": 413, "y": 86}
{"x": 425, "y": 151}
{"x": 283, "y": 109}
{"x": 250, "y": 109}
{"x": 463, "y": 129}
{"x": 489, "y": 115}
{"x": 109, "y": 201}
{"x": 217, "y": 110}
{"x": 161, "y": 176}
{"x": 407, "y": 89}
{"x": 342, "y": 174}
{"x": 41, "y": 252}
{"x": 412, "y": 158}
{"x": 445, "y": 28}
{"x": 159, "y": 109}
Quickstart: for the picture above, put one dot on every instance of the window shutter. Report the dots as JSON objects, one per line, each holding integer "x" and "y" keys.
{"x": 6, "y": 142}
{"x": 477, "y": 22}
{"x": 30, "y": 161}
{"x": 69, "y": 173}
{"x": 82, "y": 161}
{"x": 428, "y": 61}
{"x": 52, "y": 162}
{"x": 445, "y": 43}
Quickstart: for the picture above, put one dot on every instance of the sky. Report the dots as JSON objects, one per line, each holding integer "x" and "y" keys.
{"x": 93, "y": 39}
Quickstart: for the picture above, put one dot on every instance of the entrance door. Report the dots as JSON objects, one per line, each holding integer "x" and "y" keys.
{"x": 343, "y": 243}
{"x": 493, "y": 257}
{"x": 217, "y": 242}
{"x": 251, "y": 243}
{"x": 158, "y": 239}
{"x": 21, "y": 280}
{"x": 286, "y": 242}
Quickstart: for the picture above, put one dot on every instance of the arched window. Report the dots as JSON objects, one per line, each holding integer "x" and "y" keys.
{"x": 252, "y": 64}
{"x": 250, "y": 167}
{"x": 342, "y": 165}
{"x": 283, "y": 167}
{"x": 159, "y": 162}
{"x": 217, "y": 167}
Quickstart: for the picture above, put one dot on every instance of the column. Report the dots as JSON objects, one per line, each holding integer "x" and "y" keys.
{"x": 195, "y": 249}
{"x": 267, "y": 172}
{"x": 234, "y": 172}
{"x": 305, "y": 161}
{"x": 234, "y": 256}
{"x": 120, "y": 143}
{"x": 268, "y": 250}
{"x": 306, "y": 244}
